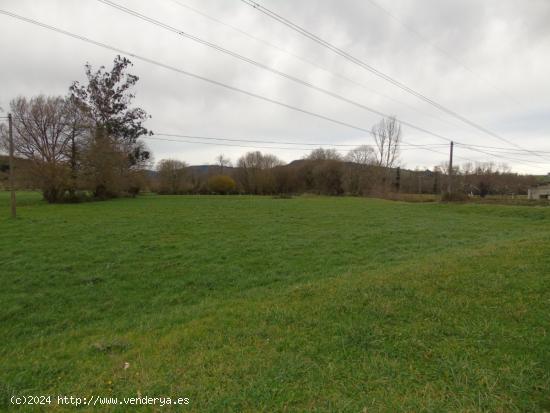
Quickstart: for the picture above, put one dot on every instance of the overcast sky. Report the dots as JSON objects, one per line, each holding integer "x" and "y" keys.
{"x": 488, "y": 60}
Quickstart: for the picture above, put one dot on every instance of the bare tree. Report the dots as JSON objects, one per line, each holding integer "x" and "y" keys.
{"x": 322, "y": 154}
{"x": 362, "y": 155}
{"x": 41, "y": 134}
{"x": 327, "y": 177}
{"x": 172, "y": 176}
{"x": 325, "y": 171}
{"x": 359, "y": 172}
{"x": 387, "y": 135}
{"x": 222, "y": 162}
{"x": 255, "y": 172}
{"x": 40, "y": 128}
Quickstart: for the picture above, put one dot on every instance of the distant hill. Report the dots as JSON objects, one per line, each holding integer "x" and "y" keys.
{"x": 205, "y": 169}
{"x": 199, "y": 170}
{"x": 216, "y": 169}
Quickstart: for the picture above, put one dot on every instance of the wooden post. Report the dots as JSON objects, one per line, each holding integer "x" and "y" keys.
{"x": 450, "y": 183}
{"x": 12, "y": 167}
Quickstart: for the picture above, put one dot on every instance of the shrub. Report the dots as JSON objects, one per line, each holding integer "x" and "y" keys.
{"x": 221, "y": 184}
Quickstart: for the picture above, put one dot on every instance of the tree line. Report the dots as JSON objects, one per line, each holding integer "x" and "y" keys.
{"x": 362, "y": 171}
{"x": 326, "y": 172}
{"x": 85, "y": 145}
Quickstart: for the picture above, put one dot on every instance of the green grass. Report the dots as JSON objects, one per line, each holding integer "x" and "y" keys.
{"x": 261, "y": 304}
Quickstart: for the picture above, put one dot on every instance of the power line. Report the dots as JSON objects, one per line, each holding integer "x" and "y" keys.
{"x": 373, "y": 70}
{"x": 309, "y": 62}
{"x": 323, "y": 145}
{"x": 227, "y": 144}
{"x": 181, "y": 71}
{"x": 260, "y": 65}
{"x": 267, "y": 68}
{"x": 509, "y": 150}
{"x": 246, "y": 146}
{"x": 521, "y": 161}
{"x": 409, "y": 146}
{"x": 291, "y": 148}
{"x": 184, "y": 72}
{"x": 172, "y": 68}
{"x": 444, "y": 52}
{"x": 282, "y": 143}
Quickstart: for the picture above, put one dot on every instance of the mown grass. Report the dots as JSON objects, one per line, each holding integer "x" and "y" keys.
{"x": 261, "y": 304}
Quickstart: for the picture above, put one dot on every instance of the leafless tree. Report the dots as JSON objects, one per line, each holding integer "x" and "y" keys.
{"x": 172, "y": 176}
{"x": 327, "y": 177}
{"x": 255, "y": 172}
{"x": 41, "y": 128}
{"x": 258, "y": 160}
{"x": 42, "y": 131}
{"x": 222, "y": 162}
{"x": 387, "y": 135}
{"x": 362, "y": 155}
{"x": 322, "y": 154}
{"x": 359, "y": 171}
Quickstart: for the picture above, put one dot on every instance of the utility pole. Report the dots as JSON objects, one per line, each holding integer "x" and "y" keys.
{"x": 398, "y": 179}
{"x": 12, "y": 185}
{"x": 450, "y": 184}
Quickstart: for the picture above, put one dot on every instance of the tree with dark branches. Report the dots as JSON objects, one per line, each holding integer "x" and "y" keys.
{"x": 107, "y": 98}
{"x": 106, "y": 101}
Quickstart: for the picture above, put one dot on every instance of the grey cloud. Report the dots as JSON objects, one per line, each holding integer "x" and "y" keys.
{"x": 504, "y": 41}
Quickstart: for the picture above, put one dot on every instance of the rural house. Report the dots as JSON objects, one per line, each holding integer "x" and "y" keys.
{"x": 540, "y": 192}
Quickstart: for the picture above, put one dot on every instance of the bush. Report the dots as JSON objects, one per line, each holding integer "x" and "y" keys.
{"x": 221, "y": 184}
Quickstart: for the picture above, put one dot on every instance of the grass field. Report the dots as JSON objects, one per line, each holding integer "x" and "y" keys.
{"x": 259, "y": 304}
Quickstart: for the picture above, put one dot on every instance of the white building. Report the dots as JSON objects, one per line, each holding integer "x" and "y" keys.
{"x": 539, "y": 192}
